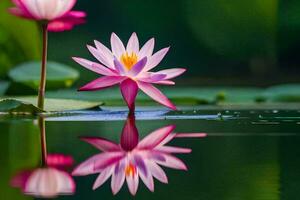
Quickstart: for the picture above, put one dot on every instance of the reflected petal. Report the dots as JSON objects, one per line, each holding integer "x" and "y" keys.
{"x": 101, "y": 143}
{"x": 157, "y": 172}
{"x": 155, "y": 138}
{"x": 172, "y": 162}
{"x": 118, "y": 178}
{"x": 130, "y": 135}
{"x": 105, "y": 174}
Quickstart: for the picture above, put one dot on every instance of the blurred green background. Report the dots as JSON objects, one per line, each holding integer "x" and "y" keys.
{"x": 250, "y": 41}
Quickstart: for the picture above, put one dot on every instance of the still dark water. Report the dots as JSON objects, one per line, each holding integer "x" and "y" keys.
{"x": 246, "y": 154}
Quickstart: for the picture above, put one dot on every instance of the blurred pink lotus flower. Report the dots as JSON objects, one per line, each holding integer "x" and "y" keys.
{"x": 130, "y": 67}
{"x": 56, "y": 13}
{"x": 59, "y": 160}
{"x": 133, "y": 159}
{"x": 47, "y": 182}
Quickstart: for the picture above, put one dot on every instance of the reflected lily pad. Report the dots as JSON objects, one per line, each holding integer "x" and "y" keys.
{"x": 58, "y": 75}
{"x": 27, "y": 105}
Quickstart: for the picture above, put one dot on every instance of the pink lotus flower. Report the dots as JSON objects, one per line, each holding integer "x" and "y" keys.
{"x": 133, "y": 159}
{"x": 130, "y": 67}
{"x": 57, "y": 13}
{"x": 48, "y": 181}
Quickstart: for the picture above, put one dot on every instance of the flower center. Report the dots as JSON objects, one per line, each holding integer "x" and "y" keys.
{"x": 128, "y": 60}
{"x": 130, "y": 170}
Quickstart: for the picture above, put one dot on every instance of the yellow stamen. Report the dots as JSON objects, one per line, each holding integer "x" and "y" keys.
{"x": 129, "y": 60}
{"x": 130, "y": 170}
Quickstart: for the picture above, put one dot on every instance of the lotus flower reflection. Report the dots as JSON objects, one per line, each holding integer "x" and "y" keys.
{"x": 56, "y": 13}
{"x": 48, "y": 181}
{"x": 130, "y": 67}
{"x": 132, "y": 159}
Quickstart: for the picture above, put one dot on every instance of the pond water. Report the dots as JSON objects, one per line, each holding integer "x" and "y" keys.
{"x": 247, "y": 154}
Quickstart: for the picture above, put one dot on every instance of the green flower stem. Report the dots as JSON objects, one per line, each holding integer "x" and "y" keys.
{"x": 42, "y": 87}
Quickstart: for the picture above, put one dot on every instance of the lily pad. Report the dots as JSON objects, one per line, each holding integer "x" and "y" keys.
{"x": 58, "y": 75}
{"x": 179, "y": 95}
{"x": 3, "y": 87}
{"x": 283, "y": 93}
{"x": 27, "y": 105}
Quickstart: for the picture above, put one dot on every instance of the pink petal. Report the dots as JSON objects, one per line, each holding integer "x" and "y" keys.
{"x": 133, "y": 183}
{"x": 138, "y": 67}
{"x": 59, "y": 160}
{"x": 63, "y": 8}
{"x": 95, "y": 67}
{"x": 147, "y": 49}
{"x": 133, "y": 44}
{"x": 107, "y": 57}
{"x": 118, "y": 178}
{"x": 20, "y": 179}
{"x": 169, "y": 149}
{"x": 156, "y": 59}
{"x": 129, "y": 90}
{"x": 105, "y": 174}
{"x": 190, "y": 135}
{"x": 117, "y": 46}
{"x": 59, "y": 26}
{"x": 118, "y": 66}
{"x": 67, "y": 22}
{"x": 172, "y": 73}
{"x": 130, "y": 134}
{"x": 23, "y": 9}
{"x": 32, "y": 8}
{"x": 47, "y": 9}
{"x": 155, "y": 94}
{"x": 102, "y": 143}
{"x": 102, "y": 82}
{"x": 20, "y": 13}
{"x": 157, "y": 172}
{"x": 152, "y": 78}
{"x": 156, "y": 137}
{"x": 75, "y": 14}
{"x": 165, "y": 82}
{"x": 172, "y": 162}
{"x": 102, "y": 57}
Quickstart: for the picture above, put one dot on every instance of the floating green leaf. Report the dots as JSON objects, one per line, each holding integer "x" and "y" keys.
{"x": 27, "y": 105}
{"x": 14, "y": 106}
{"x": 283, "y": 93}
{"x": 58, "y": 75}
